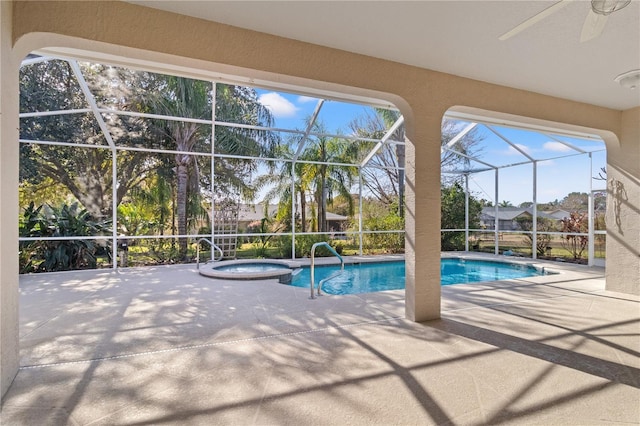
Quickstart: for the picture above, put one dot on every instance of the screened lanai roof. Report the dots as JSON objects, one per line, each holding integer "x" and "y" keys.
{"x": 507, "y": 145}
{"x": 501, "y": 145}
{"x": 111, "y": 112}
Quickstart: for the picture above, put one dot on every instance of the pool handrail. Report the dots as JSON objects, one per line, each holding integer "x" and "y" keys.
{"x": 313, "y": 259}
{"x": 213, "y": 249}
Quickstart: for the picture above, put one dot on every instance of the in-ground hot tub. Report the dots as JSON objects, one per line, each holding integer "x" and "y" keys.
{"x": 250, "y": 269}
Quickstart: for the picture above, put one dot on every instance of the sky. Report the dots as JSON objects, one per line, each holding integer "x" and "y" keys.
{"x": 555, "y": 178}
{"x": 291, "y": 111}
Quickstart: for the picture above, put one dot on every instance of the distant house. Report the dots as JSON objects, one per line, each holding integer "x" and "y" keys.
{"x": 559, "y": 214}
{"x": 249, "y": 213}
{"x": 508, "y": 217}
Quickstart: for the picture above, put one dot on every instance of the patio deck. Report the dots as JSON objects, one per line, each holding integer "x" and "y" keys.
{"x": 164, "y": 345}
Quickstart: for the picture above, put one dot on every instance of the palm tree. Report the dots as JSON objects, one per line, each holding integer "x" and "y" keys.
{"x": 328, "y": 179}
{"x": 182, "y": 97}
{"x": 281, "y": 179}
{"x": 238, "y": 104}
{"x": 312, "y": 177}
{"x": 156, "y": 194}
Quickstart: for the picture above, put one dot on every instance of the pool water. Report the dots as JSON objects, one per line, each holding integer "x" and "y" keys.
{"x": 251, "y": 267}
{"x": 372, "y": 277}
{"x": 461, "y": 271}
{"x": 357, "y": 278}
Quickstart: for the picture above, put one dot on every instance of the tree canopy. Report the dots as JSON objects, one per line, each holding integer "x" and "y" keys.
{"x": 73, "y": 152}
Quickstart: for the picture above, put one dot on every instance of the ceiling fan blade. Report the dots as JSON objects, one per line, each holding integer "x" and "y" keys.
{"x": 535, "y": 19}
{"x": 593, "y": 26}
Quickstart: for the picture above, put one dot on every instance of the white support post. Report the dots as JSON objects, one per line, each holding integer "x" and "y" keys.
{"x": 293, "y": 209}
{"x": 534, "y": 225}
{"x": 592, "y": 245}
{"x": 360, "y": 207}
{"x": 466, "y": 212}
{"x": 496, "y": 249}
{"x": 214, "y": 92}
{"x": 114, "y": 208}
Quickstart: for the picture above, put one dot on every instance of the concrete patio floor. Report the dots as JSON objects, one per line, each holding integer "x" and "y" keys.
{"x": 164, "y": 345}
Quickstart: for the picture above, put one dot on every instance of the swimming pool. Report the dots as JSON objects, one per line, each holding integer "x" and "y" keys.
{"x": 380, "y": 276}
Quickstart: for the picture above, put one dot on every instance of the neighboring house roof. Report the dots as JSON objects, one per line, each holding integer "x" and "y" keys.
{"x": 511, "y": 213}
{"x": 255, "y": 212}
{"x": 559, "y": 214}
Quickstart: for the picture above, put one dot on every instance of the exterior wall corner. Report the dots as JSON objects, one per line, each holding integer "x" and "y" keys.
{"x": 9, "y": 356}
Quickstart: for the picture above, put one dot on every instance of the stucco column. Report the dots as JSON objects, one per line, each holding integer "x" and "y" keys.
{"x": 8, "y": 203}
{"x": 422, "y": 219}
{"x": 623, "y": 207}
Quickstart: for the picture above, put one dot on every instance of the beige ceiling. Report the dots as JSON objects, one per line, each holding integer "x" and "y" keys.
{"x": 457, "y": 37}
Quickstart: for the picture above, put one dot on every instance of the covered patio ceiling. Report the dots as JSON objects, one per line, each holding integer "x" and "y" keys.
{"x": 458, "y": 37}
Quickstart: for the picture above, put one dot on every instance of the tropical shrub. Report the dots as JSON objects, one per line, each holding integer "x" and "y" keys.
{"x": 452, "y": 201}
{"x": 261, "y": 242}
{"x": 304, "y": 243}
{"x": 338, "y": 246}
{"x": 58, "y": 255}
{"x": 379, "y": 216}
{"x": 135, "y": 219}
{"x": 392, "y": 242}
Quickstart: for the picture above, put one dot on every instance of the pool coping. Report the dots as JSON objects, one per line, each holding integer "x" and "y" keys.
{"x": 282, "y": 275}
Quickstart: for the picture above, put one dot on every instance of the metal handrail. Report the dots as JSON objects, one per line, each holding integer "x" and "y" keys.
{"x": 213, "y": 248}
{"x": 313, "y": 253}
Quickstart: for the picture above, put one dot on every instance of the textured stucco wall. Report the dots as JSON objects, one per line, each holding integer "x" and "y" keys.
{"x": 149, "y": 37}
{"x": 623, "y": 207}
{"x": 8, "y": 203}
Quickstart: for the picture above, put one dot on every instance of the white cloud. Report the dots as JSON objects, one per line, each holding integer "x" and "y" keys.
{"x": 524, "y": 148}
{"x": 512, "y": 151}
{"x": 279, "y": 106}
{"x": 556, "y": 147}
{"x": 306, "y": 99}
